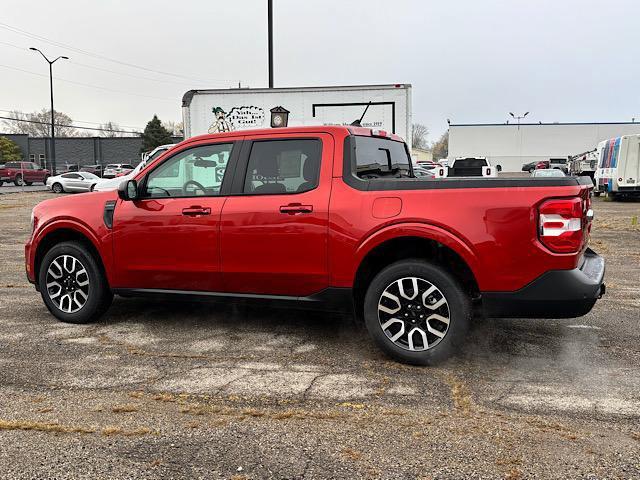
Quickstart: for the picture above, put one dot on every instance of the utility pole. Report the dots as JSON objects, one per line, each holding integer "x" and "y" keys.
{"x": 270, "y": 32}
{"x": 53, "y": 134}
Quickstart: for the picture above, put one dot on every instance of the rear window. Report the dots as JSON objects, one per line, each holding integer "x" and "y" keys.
{"x": 380, "y": 157}
{"x": 126, "y": 165}
{"x": 12, "y": 165}
{"x": 470, "y": 163}
{"x": 112, "y": 166}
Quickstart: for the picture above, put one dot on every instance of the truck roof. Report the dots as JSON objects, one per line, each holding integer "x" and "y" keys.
{"x": 338, "y": 129}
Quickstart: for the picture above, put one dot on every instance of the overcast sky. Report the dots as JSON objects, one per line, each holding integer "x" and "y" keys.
{"x": 468, "y": 60}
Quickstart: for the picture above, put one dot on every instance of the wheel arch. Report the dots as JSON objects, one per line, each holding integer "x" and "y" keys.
{"x": 65, "y": 233}
{"x": 433, "y": 244}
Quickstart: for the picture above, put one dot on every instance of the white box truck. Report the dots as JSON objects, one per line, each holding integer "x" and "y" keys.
{"x": 388, "y": 107}
{"x": 618, "y": 171}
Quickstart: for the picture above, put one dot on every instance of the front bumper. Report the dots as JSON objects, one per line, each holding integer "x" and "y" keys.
{"x": 555, "y": 294}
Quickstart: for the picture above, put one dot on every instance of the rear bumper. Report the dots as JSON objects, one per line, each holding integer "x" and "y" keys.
{"x": 555, "y": 294}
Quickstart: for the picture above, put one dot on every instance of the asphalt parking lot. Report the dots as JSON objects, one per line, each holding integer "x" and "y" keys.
{"x": 163, "y": 390}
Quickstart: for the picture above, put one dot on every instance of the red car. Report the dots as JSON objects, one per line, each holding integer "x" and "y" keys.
{"x": 323, "y": 217}
{"x": 23, "y": 173}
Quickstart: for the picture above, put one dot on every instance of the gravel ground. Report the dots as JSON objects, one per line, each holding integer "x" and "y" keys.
{"x": 162, "y": 390}
{"x": 11, "y": 188}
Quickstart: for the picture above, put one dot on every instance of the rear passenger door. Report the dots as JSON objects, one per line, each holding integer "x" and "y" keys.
{"x": 274, "y": 226}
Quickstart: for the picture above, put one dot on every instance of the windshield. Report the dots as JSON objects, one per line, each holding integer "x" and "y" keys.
{"x": 112, "y": 166}
{"x": 381, "y": 156}
{"x": 548, "y": 173}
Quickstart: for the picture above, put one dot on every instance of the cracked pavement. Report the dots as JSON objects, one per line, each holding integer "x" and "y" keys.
{"x": 197, "y": 390}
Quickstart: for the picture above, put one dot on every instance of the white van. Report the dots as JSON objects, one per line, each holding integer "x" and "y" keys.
{"x": 618, "y": 171}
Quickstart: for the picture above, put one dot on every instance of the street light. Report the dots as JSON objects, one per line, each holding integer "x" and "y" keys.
{"x": 518, "y": 117}
{"x": 53, "y": 135}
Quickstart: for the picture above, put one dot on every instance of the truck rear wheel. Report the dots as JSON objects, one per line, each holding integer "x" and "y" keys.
{"x": 18, "y": 180}
{"x": 417, "y": 312}
{"x": 72, "y": 284}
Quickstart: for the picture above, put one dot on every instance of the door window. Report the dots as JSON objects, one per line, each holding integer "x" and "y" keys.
{"x": 198, "y": 171}
{"x": 283, "y": 166}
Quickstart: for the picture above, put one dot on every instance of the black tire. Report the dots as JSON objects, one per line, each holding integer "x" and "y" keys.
{"x": 99, "y": 296}
{"x": 28, "y": 184}
{"x": 57, "y": 188}
{"x": 596, "y": 194}
{"x": 458, "y": 304}
{"x": 18, "y": 180}
{"x": 92, "y": 187}
{"x": 44, "y": 181}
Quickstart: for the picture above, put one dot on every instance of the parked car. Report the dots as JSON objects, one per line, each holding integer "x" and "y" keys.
{"x": 71, "y": 167}
{"x": 95, "y": 169}
{"x": 548, "y": 172}
{"x": 72, "y": 182}
{"x": 538, "y": 164}
{"x": 323, "y": 217}
{"x": 115, "y": 169}
{"x": 112, "y": 183}
{"x": 23, "y": 173}
{"x": 420, "y": 172}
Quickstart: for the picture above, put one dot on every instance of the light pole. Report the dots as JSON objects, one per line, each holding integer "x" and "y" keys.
{"x": 270, "y": 33}
{"x": 518, "y": 117}
{"x": 53, "y": 135}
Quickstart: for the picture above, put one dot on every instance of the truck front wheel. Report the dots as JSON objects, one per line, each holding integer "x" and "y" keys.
{"x": 72, "y": 284}
{"x": 417, "y": 312}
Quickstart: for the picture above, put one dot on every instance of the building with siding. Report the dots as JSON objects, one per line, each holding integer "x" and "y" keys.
{"x": 80, "y": 150}
{"x": 512, "y": 145}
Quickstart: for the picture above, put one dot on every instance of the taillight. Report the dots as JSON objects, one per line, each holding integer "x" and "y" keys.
{"x": 560, "y": 224}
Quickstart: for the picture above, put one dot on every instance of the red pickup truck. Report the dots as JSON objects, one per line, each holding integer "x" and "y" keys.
{"x": 23, "y": 173}
{"x": 323, "y": 217}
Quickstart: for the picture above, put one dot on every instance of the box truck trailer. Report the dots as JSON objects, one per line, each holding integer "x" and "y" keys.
{"x": 383, "y": 107}
{"x": 618, "y": 171}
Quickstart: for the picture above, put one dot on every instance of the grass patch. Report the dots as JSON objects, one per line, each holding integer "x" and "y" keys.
{"x": 42, "y": 427}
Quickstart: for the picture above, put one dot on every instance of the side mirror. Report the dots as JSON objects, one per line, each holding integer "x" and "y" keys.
{"x": 128, "y": 190}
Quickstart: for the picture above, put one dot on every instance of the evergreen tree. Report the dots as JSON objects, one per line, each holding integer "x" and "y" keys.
{"x": 9, "y": 151}
{"x": 154, "y": 135}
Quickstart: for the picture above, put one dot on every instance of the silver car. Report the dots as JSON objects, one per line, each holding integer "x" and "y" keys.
{"x": 72, "y": 182}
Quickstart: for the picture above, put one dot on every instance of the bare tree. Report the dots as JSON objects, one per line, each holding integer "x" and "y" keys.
{"x": 419, "y": 134}
{"x": 440, "y": 148}
{"x": 109, "y": 130}
{"x": 176, "y": 128}
{"x": 38, "y": 124}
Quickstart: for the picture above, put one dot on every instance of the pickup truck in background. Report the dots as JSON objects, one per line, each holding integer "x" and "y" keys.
{"x": 468, "y": 167}
{"x": 23, "y": 173}
{"x": 323, "y": 217}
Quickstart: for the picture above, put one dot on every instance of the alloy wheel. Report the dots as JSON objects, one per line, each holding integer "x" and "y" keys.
{"x": 67, "y": 283}
{"x": 414, "y": 314}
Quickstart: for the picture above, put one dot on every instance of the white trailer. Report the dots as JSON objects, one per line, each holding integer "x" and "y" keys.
{"x": 388, "y": 107}
{"x": 618, "y": 171}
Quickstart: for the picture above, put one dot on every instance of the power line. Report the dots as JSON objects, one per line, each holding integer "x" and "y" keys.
{"x": 69, "y": 126}
{"x": 77, "y": 121}
{"x": 93, "y": 67}
{"x": 97, "y": 55}
{"x": 73, "y": 82}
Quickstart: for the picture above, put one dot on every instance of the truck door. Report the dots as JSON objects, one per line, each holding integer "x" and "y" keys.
{"x": 274, "y": 229}
{"x": 169, "y": 238}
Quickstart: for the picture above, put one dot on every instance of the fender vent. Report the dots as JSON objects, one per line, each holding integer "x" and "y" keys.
{"x": 109, "y": 208}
